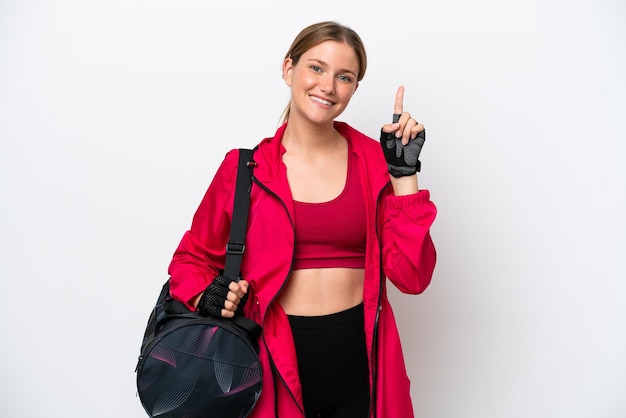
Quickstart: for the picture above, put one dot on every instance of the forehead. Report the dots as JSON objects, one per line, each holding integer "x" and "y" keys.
{"x": 334, "y": 53}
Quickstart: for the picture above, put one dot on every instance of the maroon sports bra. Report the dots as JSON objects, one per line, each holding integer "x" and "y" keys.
{"x": 332, "y": 234}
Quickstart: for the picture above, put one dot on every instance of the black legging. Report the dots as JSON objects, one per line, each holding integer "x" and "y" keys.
{"x": 332, "y": 360}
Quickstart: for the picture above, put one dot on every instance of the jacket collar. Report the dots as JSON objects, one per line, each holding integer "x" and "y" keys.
{"x": 271, "y": 171}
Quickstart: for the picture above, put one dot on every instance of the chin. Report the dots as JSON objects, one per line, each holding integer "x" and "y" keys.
{"x": 324, "y": 119}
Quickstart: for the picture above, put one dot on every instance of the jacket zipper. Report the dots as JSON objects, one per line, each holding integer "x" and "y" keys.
{"x": 381, "y": 280}
{"x": 273, "y": 365}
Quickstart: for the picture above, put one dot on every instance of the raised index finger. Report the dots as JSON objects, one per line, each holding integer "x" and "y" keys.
{"x": 398, "y": 105}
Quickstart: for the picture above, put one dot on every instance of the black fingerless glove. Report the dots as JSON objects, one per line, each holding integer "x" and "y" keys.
{"x": 212, "y": 301}
{"x": 402, "y": 160}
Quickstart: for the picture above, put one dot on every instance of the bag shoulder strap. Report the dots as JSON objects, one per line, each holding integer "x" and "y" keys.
{"x": 236, "y": 246}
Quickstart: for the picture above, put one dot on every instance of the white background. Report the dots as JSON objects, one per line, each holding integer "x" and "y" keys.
{"x": 115, "y": 114}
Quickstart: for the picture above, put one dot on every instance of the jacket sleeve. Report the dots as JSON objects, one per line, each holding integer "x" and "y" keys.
{"x": 409, "y": 254}
{"x": 202, "y": 251}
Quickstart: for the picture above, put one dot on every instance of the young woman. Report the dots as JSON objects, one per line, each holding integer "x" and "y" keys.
{"x": 333, "y": 214}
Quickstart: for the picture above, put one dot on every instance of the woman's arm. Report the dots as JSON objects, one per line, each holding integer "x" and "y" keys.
{"x": 406, "y": 185}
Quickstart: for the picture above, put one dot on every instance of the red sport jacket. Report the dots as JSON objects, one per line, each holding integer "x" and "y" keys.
{"x": 399, "y": 248}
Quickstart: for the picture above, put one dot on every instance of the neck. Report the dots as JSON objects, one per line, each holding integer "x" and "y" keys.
{"x": 308, "y": 137}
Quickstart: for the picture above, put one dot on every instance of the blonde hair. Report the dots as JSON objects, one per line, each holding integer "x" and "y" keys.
{"x": 317, "y": 33}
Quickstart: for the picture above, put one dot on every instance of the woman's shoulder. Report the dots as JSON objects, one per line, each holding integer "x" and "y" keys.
{"x": 230, "y": 161}
{"x": 357, "y": 137}
{"x": 349, "y": 131}
{"x": 226, "y": 173}
{"x": 363, "y": 144}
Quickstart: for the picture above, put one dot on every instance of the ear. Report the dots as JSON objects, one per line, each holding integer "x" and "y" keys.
{"x": 287, "y": 71}
{"x": 355, "y": 88}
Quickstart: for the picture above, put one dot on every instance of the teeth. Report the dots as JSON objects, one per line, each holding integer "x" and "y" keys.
{"x": 322, "y": 101}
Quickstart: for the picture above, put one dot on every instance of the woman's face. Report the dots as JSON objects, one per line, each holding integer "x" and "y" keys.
{"x": 322, "y": 82}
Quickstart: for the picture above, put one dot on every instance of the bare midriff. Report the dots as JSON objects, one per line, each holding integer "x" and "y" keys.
{"x": 322, "y": 291}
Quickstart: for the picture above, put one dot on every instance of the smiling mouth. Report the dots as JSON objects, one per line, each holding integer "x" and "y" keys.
{"x": 321, "y": 101}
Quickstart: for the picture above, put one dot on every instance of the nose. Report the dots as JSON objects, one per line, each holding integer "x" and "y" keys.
{"x": 327, "y": 84}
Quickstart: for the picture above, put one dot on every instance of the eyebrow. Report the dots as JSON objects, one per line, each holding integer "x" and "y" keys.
{"x": 319, "y": 61}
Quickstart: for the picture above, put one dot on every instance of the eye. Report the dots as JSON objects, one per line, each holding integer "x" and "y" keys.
{"x": 345, "y": 78}
{"x": 316, "y": 68}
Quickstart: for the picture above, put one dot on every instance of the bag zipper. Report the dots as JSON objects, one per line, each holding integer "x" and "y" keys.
{"x": 192, "y": 321}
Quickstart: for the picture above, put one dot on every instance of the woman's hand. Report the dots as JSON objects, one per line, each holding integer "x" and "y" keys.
{"x": 402, "y": 140}
{"x": 221, "y": 299}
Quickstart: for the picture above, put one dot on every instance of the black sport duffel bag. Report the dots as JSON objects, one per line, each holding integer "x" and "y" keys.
{"x": 197, "y": 367}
